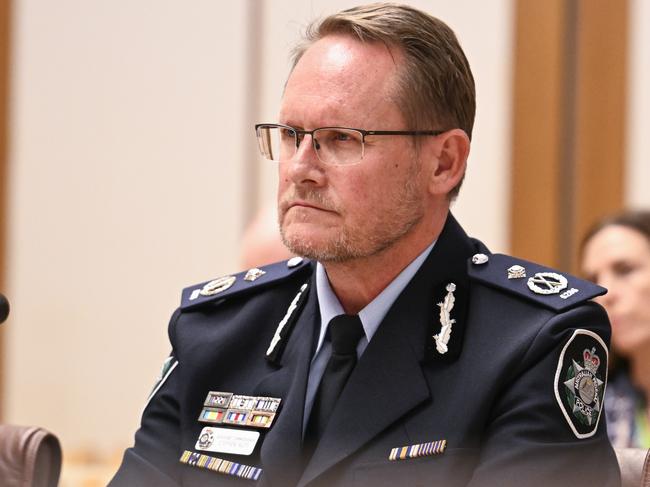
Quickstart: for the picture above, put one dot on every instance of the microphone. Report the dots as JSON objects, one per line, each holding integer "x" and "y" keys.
{"x": 4, "y": 308}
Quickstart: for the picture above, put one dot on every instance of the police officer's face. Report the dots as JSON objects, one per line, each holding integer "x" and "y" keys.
{"x": 342, "y": 212}
{"x": 618, "y": 258}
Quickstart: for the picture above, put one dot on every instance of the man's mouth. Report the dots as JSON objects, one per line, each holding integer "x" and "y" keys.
{"x": 305, "y": 204}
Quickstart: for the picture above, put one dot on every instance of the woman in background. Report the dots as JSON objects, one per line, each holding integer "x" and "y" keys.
{"x": 616, "y": 255}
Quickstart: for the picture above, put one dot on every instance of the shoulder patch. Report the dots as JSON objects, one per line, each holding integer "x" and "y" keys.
{"x": 167, "y": 368}
{"x": 580, "y": 381}
{"x": 548, "y": 287}
{"x": 242, "y": 283}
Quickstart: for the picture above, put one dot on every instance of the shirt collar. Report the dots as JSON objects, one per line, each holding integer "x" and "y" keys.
{"x": 374, "y": 312}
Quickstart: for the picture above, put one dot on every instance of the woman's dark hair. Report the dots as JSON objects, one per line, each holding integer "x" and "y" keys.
{"x": 638, "y": 220}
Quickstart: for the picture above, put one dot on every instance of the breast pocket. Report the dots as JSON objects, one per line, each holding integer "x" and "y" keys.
{"x": 452, "y": 468}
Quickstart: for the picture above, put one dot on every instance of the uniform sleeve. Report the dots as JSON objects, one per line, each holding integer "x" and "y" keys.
{"x": 547, "y": 426}
{"x": 154, "y": 458}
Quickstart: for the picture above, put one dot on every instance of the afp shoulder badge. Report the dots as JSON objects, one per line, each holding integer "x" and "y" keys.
{"x": 532, "y": 282}
{"x": 580, "y": 381}
{"x": 241, "y": 284}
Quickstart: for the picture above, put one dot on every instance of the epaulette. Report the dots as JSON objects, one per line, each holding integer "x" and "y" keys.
{"x": 543, "y": 285}
{"x": 242, "y": 283}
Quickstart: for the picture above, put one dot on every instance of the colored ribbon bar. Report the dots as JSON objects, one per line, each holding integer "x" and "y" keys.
{"x": 220, "y": 465}
{"x": 420, "y": 450}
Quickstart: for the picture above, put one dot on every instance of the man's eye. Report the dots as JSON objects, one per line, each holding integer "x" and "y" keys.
{"x": 342, "y": 136}
{"x": 287, "y": 133}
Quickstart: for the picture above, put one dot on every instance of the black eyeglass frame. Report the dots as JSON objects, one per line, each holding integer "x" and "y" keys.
{"x": 364, "y": 133}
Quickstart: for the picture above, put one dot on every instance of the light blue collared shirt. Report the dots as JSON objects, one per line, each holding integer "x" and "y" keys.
{"x": 371, "y": 316}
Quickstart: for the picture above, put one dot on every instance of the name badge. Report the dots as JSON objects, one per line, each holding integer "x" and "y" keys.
{"x": 226, "y": 440}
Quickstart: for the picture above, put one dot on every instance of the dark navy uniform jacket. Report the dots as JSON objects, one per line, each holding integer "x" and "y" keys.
{"x": 502, "y": 398}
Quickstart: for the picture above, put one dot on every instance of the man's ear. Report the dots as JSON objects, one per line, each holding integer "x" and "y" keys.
{"x": 451, "y": 150}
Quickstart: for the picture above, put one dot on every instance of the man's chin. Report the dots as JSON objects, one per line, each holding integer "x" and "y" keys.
{"x": 309, "y": 243}
{"x": 301, "y": 243}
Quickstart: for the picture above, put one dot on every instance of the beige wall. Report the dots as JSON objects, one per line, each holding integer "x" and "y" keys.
{"x": 130, "y": 138}
{"x": 126, "y": 184}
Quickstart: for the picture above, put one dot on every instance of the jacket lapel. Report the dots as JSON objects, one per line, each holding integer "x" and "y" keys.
{"x": 388, "y": 381}
{"x": 281, "y": 450}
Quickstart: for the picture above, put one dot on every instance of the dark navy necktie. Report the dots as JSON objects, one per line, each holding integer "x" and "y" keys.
{"x": 345, "y": 331}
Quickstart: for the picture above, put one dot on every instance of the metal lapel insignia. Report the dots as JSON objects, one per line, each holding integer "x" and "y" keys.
{"x": 446, "y": 321}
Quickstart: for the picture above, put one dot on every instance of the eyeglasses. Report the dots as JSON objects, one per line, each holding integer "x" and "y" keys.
{"x": 333, "y": 145}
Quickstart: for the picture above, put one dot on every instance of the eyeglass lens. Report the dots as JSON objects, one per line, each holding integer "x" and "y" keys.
{"x": 333, "y": 146}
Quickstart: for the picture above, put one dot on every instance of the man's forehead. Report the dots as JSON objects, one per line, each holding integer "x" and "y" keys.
{"x": 340, "y": 54}
{"x": 334, "y": 53}
{"x": 340, "y": 70}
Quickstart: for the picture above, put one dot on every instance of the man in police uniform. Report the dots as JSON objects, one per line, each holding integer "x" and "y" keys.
{"x": 398, "y": 351}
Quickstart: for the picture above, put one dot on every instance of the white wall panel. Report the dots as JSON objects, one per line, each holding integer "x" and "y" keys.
{"x": 126, "y": 166}
{"x": 638, "y": 129}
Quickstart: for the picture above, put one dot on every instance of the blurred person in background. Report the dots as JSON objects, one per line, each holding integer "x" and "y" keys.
{"x": 261, "y": 243}
{"x": 616, "y": 255}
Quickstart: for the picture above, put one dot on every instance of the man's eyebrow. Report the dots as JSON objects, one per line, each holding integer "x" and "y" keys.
{"x": 292, "y": 125}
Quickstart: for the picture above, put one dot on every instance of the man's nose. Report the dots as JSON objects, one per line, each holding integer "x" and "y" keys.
{"x": 304, "y": 166}
{"x": 306, "y": 147}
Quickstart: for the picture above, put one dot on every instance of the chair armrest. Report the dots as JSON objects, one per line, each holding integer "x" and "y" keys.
{"x": 29, "y": 457}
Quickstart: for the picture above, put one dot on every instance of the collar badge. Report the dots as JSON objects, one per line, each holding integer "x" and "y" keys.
{"x": 217, "y": 286}
{"x": 516, "y": 272}
{"x": 254, "y": 274}
{"x": 479, "y": 259}
{"x": 446, "y": 321}
{"x": 547, "y": 283}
